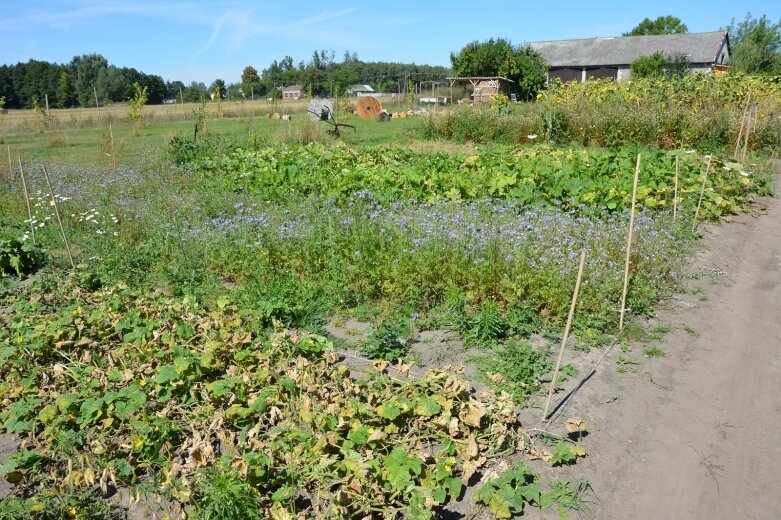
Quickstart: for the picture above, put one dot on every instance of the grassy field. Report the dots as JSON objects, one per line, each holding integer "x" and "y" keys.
{"x": 80, "y": 136}
{"x": 187, "y": 356}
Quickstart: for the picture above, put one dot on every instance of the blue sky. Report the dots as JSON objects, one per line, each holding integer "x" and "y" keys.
{"x": 202, "y": 41}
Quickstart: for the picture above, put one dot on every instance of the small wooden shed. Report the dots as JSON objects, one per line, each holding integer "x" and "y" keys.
{"x": 484, "y": 87}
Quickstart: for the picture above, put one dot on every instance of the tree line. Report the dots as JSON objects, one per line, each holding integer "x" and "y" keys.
{"x": 76, "y": 83}
{"x": 323, "y": 74}
{"x": 79, "y": 82}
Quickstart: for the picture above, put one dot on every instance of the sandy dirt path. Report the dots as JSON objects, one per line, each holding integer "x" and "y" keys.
{"x": 696, "y": 434}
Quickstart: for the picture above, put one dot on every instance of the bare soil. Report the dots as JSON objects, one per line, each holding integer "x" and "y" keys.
{"x": 695, "y": 433}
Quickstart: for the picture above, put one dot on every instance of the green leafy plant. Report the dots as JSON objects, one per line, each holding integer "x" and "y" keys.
{"x": 385, "y": 342}
{"x": 224, "y": 494}
{"x": 293, "y": 421}
{"x": 201, "y": 120}
{"x": 515, "y": 368}
{"x": 487, "y": 326}
{"x": 45, "y": 120}
{"x": 19, "y": 258}
{"x": 136, "y": 105}
{"x": 566, "y": 453}
{"x": 507, "y": 495}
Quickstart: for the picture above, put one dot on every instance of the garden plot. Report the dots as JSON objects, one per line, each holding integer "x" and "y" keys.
{"x": 228, "y": 398}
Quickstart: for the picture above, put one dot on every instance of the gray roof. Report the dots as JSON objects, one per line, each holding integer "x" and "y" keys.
{"x": 479, "y": 78}
{"x": 698, "y": 48}
{"x": 292, "y": 88}
{"x": 360, "y": 88}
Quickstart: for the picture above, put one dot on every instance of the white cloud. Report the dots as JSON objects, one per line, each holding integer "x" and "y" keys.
{"x": 84, "y": 14}
{"x": 237, "y": 27}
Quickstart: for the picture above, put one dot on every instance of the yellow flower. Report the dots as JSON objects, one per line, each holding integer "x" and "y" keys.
{"x": 138, "y": 443}
{"x": 72, "y": 512}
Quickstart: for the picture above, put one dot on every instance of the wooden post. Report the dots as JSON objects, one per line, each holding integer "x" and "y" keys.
{"x": 675, "y": 196}
{"x": 181, "y": 96}
{"x": 27, "y": 200}
{"x": 629, "y": 245}
{"x": 10, "y": 164}
{"x": 46, "y": 97}
{"x": 749, "y": 124}
{"x": 59, "y": 220}
{"x": 742, "y": 124}
{"x": 566, "y": 334}
{"x": 97, "y": 105}
{"x": 111, "y": 136}
{"x": 702, "y": 192}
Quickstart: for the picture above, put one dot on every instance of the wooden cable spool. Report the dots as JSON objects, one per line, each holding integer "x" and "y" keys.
{"x": 368, "y": 107}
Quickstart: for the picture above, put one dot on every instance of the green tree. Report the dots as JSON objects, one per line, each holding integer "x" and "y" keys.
{"x": 172, "y": 89}
{"x": 135, "y": 107}
{"x": 657, "y": 65}
{"x": 84, "y": 70}
{"x": 662, "y": 25}
{"x": 65, "y": 96}
{"x": 313, "y": 79}
{"x": 756, "y": 45}
{"x": 111, "y": 85}
{"x": 218, "y": 88}
{"x": 250, "y": 80}
{"x": 341, "y": 78}
{"x": 649, "y": 66}
{"x": 194, "y": 92}
{"x": 137, "y": 102}
{"x": 530, "y": 73}
{"x": 498, "y": 57}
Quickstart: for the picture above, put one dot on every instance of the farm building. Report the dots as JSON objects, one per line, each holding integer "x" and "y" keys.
{"x": 293, "y": 92}
{"x": 484, "y": 87}
{"x": 359, "y": 90}
{"x": 579, "y": 60}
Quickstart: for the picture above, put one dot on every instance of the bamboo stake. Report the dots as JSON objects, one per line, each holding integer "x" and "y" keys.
{"x": 59, "y": 220}
{"x": 749, "y": 124}
{"x": 675, "y": 197}
{"x": 742, "y": 124}
{"x": 97, "y": 105}
{"x": 566, "y": 333}
{"x": 27, "y": 200}
{"x": 10, "y": 163}
{"x": 702, "y": 192}
{"x": 629, "y": 245}
{"x": 113, "y": 155}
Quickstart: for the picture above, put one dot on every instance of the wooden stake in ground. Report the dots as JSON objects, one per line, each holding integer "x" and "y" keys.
{"x": 10, "y": 164}
{"x": 743, "y": 120}
{"x": 566, "y": 334}
{"x": 27, "y": 200}
{"x": 59, "y": 220}
{"x": 675, "y": 196}
{"x": 751, "y": 120}
{"x": 113, "y": 156}
{"x": 629, "y": 245}
{"x": 97, "y": 105}
{"x": 702, "y": 192}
